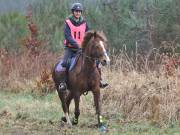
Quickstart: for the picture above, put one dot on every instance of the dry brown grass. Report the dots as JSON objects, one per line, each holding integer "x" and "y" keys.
{"x": 19, "y": 72}
{"x": 147, "y": 95}
{"x": 143, "y": 96}
{"x": 135, "y": 95}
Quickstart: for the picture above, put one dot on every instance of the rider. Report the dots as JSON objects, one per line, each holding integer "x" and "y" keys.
{"x": 74, "y": 31}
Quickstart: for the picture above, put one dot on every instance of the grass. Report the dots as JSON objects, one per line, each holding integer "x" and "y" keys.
{"x": 134, "y": 103}
{"x": 24, "y": 113}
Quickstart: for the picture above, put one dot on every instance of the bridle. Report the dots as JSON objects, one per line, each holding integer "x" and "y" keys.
{"x": 90, "y": 58}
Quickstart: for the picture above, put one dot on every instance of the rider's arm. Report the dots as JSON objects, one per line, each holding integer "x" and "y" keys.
{"x": 87, "y": 27}
{"x": 68, "y": 37}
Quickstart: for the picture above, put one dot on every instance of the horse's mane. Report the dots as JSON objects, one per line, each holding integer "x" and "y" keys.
{"x": 92, "y": 34}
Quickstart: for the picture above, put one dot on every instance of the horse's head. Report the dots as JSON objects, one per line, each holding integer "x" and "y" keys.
{"x": 94, "y": 46}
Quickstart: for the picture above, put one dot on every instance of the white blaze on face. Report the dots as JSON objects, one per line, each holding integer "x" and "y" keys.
{"x": 105, "y": 53}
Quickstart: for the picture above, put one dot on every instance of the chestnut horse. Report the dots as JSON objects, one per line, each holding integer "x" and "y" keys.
{"x": 84, "y": 76}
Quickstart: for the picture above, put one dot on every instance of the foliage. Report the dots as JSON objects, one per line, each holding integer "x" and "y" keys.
{"x": 13, "y": 28}
{"x": 146, "y": 87}
{"x": 147, "y": 22}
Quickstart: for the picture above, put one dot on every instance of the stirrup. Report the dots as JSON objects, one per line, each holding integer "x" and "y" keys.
{"x": 62, "y": 86}
{"x": 103, "y": 84}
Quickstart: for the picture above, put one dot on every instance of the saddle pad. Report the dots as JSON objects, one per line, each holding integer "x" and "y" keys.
{"x": 59, "y": 67}
{"x": 70, "y": 64}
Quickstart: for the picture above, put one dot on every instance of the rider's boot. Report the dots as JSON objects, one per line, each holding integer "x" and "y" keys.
{"x": 102, "y": 83}
{"x": 62, "y": 84}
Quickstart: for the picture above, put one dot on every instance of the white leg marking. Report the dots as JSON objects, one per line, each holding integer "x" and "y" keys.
{"x": 68, "y": 119}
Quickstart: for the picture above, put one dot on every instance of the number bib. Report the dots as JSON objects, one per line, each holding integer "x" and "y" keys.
{"x": 77, "y": 32}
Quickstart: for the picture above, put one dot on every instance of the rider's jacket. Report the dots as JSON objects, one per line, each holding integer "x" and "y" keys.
{"x": 74, "y": 32}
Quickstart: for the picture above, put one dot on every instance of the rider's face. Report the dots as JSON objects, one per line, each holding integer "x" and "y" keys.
{"x": 77, "y": 13}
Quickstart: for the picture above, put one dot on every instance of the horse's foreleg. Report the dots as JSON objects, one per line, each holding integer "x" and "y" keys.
{"x": 68, "y": 101}
{"x": 65, "y": 107}
{"x": 77, "y": 110}
{"x": 96, "y": 95}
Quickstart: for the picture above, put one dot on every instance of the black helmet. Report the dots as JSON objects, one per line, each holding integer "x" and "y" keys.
{"x": 77, "y": 6}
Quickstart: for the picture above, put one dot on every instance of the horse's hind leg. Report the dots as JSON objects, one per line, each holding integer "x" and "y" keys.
{"x": 77, "y": 110}
{"x": 62, "y": 96}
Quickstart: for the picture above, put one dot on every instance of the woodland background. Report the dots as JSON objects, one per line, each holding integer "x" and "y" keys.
{"x": 144, "y": 46}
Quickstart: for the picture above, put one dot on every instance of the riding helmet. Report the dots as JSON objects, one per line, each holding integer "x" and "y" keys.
{"x": 77, "y": 6}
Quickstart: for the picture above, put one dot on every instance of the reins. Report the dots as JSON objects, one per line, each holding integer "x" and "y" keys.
{"x": 88, "y": 57}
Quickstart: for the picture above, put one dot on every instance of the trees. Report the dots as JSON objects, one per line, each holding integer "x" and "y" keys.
{"x": 125, "y": 22}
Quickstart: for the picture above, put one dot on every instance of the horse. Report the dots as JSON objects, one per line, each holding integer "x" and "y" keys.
{"x": 84, "y": 76}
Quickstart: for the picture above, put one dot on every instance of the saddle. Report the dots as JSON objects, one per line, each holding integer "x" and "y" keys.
{"x": 71, "y": 62}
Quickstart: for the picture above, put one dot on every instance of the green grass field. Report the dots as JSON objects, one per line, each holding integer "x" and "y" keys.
{"x": 25, "y": 113}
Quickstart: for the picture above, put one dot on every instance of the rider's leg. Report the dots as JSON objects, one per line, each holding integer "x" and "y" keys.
{"x": 67, "y": 54}
{"x": 102, "y": 83}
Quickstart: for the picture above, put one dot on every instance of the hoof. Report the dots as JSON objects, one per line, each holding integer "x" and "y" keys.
{"x": 103, "y": 85}
{"x": 103, "y": 129}
{"x": 63, "y": 119}
{"x": 74, "y": 121}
